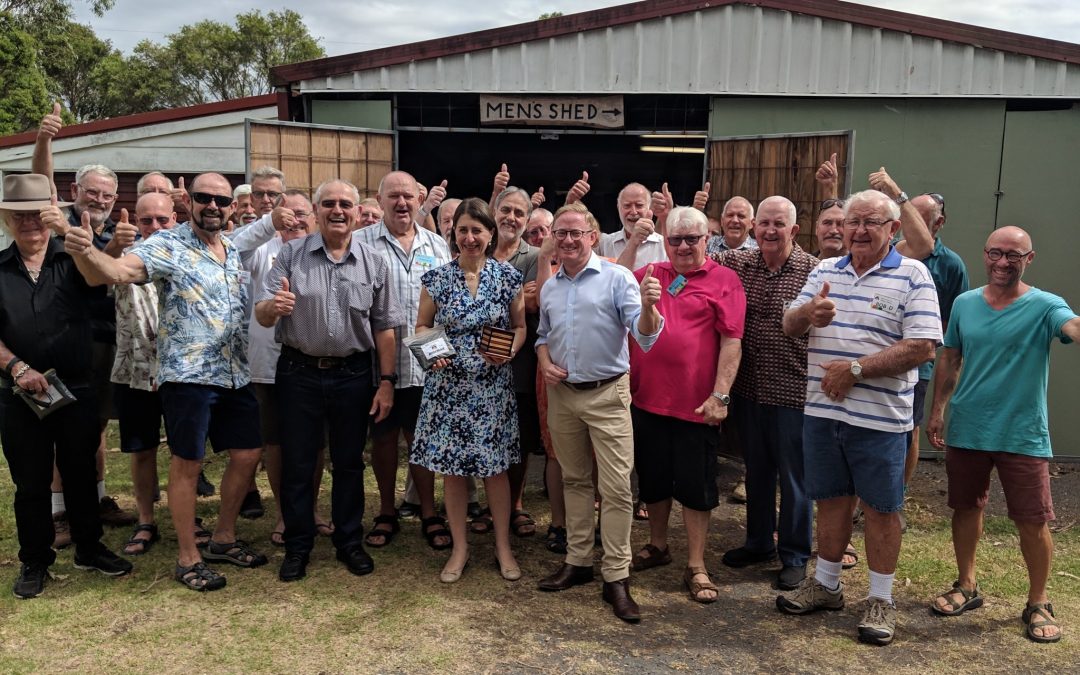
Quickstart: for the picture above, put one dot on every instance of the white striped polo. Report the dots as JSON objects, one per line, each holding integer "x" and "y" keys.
{"x": 894, "y": 300}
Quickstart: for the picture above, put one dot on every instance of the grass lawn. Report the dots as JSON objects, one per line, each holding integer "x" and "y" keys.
{"x": 401, "y": 619}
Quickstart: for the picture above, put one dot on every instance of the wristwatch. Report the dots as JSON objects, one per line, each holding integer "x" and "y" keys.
{"x": 723, "y": 398}
{"x": 902, "y": 198}
{"x": 391, "y": 378}
{"x": 856, "y": 371}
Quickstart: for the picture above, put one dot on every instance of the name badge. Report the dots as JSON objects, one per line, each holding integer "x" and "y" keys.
{"x": 677, "y": 285}
{"x": 425, "y": 261}
{"x": 884, "y": 303}
{"x": 436, "y": 348}
{"x": 245, "y": 277}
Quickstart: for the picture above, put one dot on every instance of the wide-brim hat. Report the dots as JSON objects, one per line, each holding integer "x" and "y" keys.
{"x": 27, "y": 192}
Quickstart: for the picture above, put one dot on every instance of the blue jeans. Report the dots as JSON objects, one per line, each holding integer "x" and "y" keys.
{"x": 771, "y": 438}
{"x": 311, "y": 400}
{"x": 844, "y": 460}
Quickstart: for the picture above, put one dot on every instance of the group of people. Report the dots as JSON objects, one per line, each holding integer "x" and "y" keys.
{"x": 277, "y": 325}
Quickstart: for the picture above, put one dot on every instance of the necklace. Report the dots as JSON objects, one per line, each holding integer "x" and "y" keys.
{"x": 34, "y": 273}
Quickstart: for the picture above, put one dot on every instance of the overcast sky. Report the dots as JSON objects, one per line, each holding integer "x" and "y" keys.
{"x": 344, "y": 27}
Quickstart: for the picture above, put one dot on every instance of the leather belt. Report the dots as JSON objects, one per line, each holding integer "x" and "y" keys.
{"x": 324, "y": 362}
{"x": 585, "y": 386}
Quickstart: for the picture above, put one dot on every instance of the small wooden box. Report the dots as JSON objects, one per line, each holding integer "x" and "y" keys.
{"x": 496, "y": 341}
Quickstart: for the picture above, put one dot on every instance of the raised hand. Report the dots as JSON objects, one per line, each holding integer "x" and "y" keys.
{"x": 125, "y": 232}
{"x": 284, "y": 219}
{"x": 828, "y": 174}
{"x": 180, "y": 196}
{"x": 643, "y": 228}
{"x": 52, "y": 123}
{"x": 579, "y": 190}
{"x": 435, "y": 197}
{"x": 662, "y": 203}
{"x": 701, "y": 197}
{"x": 822, "y": 309}
{"x": 502, "y": 179}
{"x": 650, "y": 289}
{"x": 538, "y": 198}
{"x": 284, "y": 301}
{"x": 80, "y": 240}
{"x": 882, "y": 182}
{"x": 53, "y": 218}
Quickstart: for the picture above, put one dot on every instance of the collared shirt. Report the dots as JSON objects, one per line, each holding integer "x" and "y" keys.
{"x": 523, "y": 366}
{"x": 717, "y": 245}
{"x": 103, "y": 307}
{"x": 773, "y": 366}
{"x": 263, "y": 347}
{"x": 136, "y": 363}
{"x": 652, "y": 250}
{"x": 203, "y": 324}
{"x": 584, "y": 320}
{"x": 339, "y": 304}
{"x": 47, "y": 324}
{"x": 951, "y": 279}
{"x": 894, "y": 300}
{"x": 679, "y": 372}
{"x": 428, "y": 251}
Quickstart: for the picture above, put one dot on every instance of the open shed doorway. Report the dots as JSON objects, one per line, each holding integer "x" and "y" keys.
{"x": 469, "y": 161}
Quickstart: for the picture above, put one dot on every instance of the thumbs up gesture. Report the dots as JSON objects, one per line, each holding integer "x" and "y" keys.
{"x": 579, "y": 190}
{"x": 284, "y": 219}
{"x": 180, "y": 197}
{"x": 882, "y": 182}
{"x": 435, "y": 197}
{"x": 701, "y": 197}
{"x": 538, "y": 198}
{"x": 51, "y": 123}
{"x": 822, "y": 309}
{"x": 827, "y": 174}
{"x": 643, "y": 228}
{"x": 125, "y": 232}
{"x": 53, "y": 218}
{"x": 284, "y": 300}
{"x": 79, "y": 241}
{"x": 650, "y": 289}
{"x": 662, "y": 203}
{"x": 502, "y": 179}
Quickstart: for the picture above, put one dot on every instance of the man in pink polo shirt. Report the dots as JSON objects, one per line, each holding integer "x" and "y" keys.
{"x": 677, "y": 405}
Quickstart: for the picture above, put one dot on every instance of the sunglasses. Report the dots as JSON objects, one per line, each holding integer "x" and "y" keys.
{"x": 150, "y": 220}
{"x": 345, "y": 204}
{"x": 221, "y": 201}
{"x": 690, "y": 239}
{"x": 936, "y": 196}
{"x": 829, "y": 203}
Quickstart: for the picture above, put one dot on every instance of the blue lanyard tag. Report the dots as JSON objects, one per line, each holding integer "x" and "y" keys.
{"x": 677, "y": 285}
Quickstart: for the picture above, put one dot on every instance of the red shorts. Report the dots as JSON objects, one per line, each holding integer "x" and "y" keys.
{"x": 1024, "y": 479}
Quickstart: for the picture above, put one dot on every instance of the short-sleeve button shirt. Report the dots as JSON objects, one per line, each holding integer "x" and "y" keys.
{"x": 203, "y": 324}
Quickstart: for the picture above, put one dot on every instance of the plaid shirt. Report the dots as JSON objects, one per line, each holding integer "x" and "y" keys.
{"x": 773, "y": 366}
{"x": 428, "y": 252}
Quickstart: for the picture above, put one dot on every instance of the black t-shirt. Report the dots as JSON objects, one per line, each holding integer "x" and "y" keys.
{"x": 47, "y": 324}
{"x": 103, "y": 310}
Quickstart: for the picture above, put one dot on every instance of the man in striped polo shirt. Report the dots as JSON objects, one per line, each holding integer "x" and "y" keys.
{"x": 872, "y": 317}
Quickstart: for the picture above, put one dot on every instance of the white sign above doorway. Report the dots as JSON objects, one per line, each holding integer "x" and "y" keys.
{"x": 605, "y": 112}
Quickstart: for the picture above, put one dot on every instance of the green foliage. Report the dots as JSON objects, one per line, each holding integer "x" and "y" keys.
{"x": 549, "y": 15}
{"x": 23, "y": 94}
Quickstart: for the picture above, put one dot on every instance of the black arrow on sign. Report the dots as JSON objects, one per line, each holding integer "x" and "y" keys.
{"x": 614, "y": 111}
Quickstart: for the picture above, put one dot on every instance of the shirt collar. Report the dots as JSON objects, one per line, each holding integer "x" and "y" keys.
{"x": 593, "y": 264}
{"x": 891, "y": 260}
{"x": 314, "y": 243}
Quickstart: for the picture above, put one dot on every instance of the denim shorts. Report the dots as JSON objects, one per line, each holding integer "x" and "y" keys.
{"x": 842, "y": 460}
{"x": 195, "y": 412}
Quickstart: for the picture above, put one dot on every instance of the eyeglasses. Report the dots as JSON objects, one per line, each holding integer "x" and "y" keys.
{"x": 221, "y": 201}
{"x": 301, "y": 214}
{"x": 690, "y": 239}
{"x": 261, "y": 194}
{"x": 995, "y": 254}
{"x": 150, "y": 220}
{"x": 829, "y": 203}
{"x": 869, "y": 224}
{"x": 937, "y": 198}
{"x": 98, "y": 194}
{"x": 573, "y": 234}
{"x": 345, "y": 204}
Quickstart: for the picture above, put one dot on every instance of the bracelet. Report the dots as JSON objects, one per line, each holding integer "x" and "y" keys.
{"x": 21, "y": 371}
{"x": 12, "y": 362}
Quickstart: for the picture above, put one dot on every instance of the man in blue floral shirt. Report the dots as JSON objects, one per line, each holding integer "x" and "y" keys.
{"x": 203, "y": 374}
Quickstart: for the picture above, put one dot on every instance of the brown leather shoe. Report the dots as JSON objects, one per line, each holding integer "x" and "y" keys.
{"x": 568, "y": 576}
{"x": 617, "y": 594}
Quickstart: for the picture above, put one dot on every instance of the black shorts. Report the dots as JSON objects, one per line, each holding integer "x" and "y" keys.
{"x": 196, "y": 412}
{"x": 403, "y": 414}
{"x": 140, "y": 415}
{"x": 675, "y": 459}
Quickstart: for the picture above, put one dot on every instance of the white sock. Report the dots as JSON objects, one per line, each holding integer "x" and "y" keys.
{"x": 881, "y": 586}
{"x": 828, "y": 573}
{"x": 58, "y": 503}
{"x": 100, "y": 490}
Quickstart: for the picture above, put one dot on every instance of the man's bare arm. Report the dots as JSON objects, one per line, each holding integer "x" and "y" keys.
{"x": 899, "y": 358}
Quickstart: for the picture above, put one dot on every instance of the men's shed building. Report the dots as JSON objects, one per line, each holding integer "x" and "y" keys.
{"x": 751, "y": 96}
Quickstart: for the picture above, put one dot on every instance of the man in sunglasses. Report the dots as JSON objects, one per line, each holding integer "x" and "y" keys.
{"x": 203, "y": 374}
{"x": 769, "y": 394}
{"x": 993, "y": 375}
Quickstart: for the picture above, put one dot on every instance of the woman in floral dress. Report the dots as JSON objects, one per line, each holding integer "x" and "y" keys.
{"x": 468, "y": 414}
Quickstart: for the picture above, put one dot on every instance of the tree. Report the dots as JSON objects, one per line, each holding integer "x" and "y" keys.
{"x": 549, "y": 15}
{"x": 23, "y": 95}
{"x": 70, "y": 55}
{"x": 35, "y": 16}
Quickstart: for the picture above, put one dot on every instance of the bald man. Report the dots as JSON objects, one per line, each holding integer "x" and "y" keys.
{"x": 1001, "y": 335}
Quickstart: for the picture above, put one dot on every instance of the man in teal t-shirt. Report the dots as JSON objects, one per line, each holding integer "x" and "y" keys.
{"x": 1001, "y": 334}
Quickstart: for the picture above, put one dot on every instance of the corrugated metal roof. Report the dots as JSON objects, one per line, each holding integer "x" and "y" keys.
{"x": 776, "y": 47}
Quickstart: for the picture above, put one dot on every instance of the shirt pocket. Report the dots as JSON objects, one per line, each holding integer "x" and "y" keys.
{"x": 361, "y": 297}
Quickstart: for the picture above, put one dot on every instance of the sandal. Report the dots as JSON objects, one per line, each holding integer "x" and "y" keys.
{"x": 971, "y": 600}
{"x": 202, "y": 535}
{"x": 143, "y": 544}
{"x": 277, "y": 537}
{"x": 556, "y": 539}
{"x": 386, "y": 534}
{"x": 235, "y": 553}
{"x": 199, "y": 577}
{"x": 522, "y": 524}
{"x": 851, "y": 553}
{"x": 440, "y": 531}
{"x": 696, "y": 588}
{"x": 650, "y": 556}
{"x": 483, "y": 523}
{"x": 641, "y": 512}
{"x": 1040, "y": 615}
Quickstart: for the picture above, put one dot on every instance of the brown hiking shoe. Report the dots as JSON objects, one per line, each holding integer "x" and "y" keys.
{"x": 61, "y": 531}
{"x": 112, "y": 515}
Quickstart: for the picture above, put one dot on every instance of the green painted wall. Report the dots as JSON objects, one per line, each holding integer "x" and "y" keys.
{"x": 363, "y": 114}
{"x": 956, "y": 147}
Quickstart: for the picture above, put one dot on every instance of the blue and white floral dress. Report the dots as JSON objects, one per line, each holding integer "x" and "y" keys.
{"x": 468, "y": 415}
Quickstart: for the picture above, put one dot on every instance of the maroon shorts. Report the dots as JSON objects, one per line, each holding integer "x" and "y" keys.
{"x": 1024, "y": 479}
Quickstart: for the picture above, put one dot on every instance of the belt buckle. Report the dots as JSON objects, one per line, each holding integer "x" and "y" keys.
{"x": 325, "y": 363}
